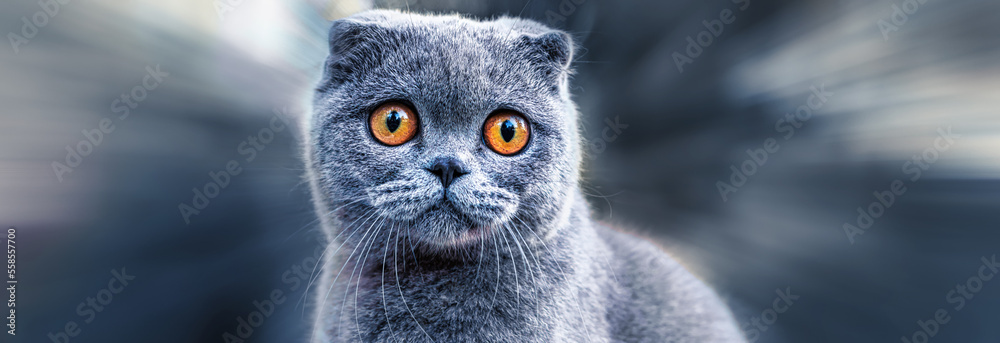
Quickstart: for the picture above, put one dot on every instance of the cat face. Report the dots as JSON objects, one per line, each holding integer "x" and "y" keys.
{"x": 444, "y": 128}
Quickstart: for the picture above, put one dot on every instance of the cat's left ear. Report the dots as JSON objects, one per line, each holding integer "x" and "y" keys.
{"x": 356, "y": 43}
{"x": 551, "y": 51}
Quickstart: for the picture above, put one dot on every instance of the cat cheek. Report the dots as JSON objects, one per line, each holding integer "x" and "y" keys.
{"x": 489, "y": 206}
{"x": 404, "y": 199}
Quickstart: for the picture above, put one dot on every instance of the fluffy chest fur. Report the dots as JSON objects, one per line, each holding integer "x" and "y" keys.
{"x": 506, "y": 289}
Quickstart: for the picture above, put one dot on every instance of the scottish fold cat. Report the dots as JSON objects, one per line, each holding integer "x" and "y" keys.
{"x": 444, "y": 158}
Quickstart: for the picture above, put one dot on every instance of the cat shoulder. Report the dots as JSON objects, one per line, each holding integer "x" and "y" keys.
{"x": 660, "y": 298}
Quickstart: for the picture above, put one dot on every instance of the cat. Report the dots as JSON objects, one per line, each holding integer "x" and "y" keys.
{"x": 443, "y": 155}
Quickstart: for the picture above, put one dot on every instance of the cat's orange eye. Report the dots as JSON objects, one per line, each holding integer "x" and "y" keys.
{"x": 393, "y": 123}
{"x": 506, "y": 132}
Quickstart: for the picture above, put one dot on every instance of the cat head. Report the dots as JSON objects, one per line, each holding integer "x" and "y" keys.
{"x": 445, "y": 128}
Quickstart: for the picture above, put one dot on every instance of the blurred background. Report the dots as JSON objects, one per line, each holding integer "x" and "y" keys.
{"x": 843, "y": 98}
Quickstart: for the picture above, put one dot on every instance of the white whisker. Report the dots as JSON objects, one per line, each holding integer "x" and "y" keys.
{"x": 513, "y": 262}
{"x": 385, "y": 308}
{"x": 534, "y": 255}
{"x": 320, "y": 217}
{"x": 361, "y": 271}
{"x": 401, "y": 296}
{"x": 482, "y": 246}
{"x": 327, "y": 249}
{"x": 346, "y": 261}
{"x": 334, "y": 282}
{"x": 527, "y": 262}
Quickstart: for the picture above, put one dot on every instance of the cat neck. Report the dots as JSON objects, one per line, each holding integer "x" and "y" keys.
{"x": 508, "y": 283}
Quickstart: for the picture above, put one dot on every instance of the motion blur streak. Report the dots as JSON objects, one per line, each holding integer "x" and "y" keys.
{"x": 891, "y": 76}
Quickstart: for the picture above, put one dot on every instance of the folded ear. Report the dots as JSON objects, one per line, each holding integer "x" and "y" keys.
{"x": 551, "y": 52}
{"x": 354, "y": 45}
{"x": 557, "y": 46}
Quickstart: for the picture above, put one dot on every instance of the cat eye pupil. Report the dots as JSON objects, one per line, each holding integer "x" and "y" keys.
{"x": 393, "y": 124}
{"x": 507, "y": 130}
{"x": 392, "y": 121}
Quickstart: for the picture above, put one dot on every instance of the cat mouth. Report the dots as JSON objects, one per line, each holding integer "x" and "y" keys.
{"x": 449, "y": 227}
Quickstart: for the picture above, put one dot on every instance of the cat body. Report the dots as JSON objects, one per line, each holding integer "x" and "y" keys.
{"x": 443, "y": 237}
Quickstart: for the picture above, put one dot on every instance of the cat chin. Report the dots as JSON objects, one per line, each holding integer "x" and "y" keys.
{"x": 445, "y": 228}
{"x": 465, "y": 239}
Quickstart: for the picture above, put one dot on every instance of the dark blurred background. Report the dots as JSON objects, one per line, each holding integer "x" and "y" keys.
{"x": 667, "y": 122}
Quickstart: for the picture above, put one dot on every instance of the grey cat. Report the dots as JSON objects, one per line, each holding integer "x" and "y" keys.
{"x": 443, "y": 155}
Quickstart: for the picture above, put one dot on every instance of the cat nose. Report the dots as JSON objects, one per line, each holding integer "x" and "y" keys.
{"x": 448, "y": 169}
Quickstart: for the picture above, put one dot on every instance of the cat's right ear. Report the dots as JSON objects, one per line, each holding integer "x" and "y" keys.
{"x": 353, "y": 46}
{"x": 551, "y": 52}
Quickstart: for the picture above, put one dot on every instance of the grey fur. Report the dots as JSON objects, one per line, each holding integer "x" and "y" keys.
{"x": 405, "y": 263}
